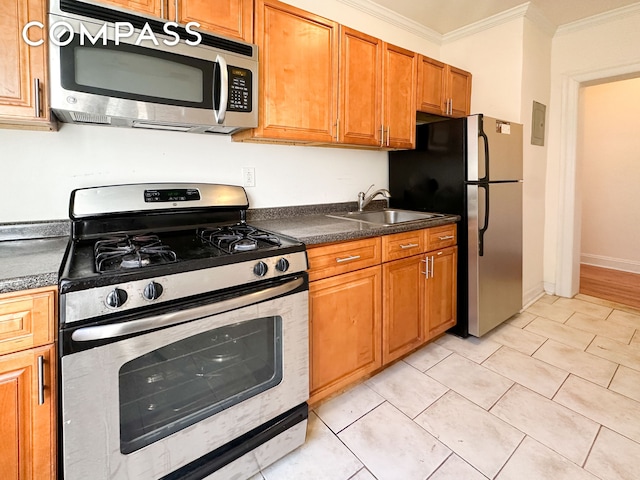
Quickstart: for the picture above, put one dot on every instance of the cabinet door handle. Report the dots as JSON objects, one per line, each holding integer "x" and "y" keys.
{"x": 426, "y": 272}
{"x": 381, "y": 135}
{"x": 162, "y": 8}
{"x": 176, "y": 5}
{"x": 347, "y": 259}
{"x": 388, "y": 135}
{"x": 409, "y": 245}
{"x": 41, "y": 380}
{"x": 338, "y": 130}
{"x": 432, "y": 262}
{"x": 36, "y": 96}
{"x": 446, "y": 237}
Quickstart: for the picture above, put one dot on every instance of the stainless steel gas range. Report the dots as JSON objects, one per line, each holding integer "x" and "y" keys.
{"x": 183, "y": 336}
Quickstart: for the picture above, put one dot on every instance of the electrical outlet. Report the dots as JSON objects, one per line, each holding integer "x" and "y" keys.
{"x": 248, "y": 176}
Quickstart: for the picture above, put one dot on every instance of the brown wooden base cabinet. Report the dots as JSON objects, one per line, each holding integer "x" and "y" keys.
{"x": 344, "y": 314}
{"x": 344, "y": 328}
{"x": 373, "y": 301}
{"x": 27, "y": 385}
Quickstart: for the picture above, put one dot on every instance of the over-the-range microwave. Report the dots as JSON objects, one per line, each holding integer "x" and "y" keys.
{"x": 111, "y": 67}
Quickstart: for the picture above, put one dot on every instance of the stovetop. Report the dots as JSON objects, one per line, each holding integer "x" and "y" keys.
{"x": 144, "y": 246}
{"x": 121, "y": 257}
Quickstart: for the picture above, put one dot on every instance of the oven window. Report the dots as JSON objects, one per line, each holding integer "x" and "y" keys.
{"x": 185, "y": 382}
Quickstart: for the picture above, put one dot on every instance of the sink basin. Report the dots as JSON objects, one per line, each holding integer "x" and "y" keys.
{"x": 387, "y": 217}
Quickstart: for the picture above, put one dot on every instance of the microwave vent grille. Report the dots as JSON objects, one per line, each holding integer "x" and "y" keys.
{"x": 90, "y": 118}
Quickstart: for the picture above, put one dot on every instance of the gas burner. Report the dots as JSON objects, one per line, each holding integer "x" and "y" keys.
{"x": 126, "y": 252}
{"x": 237, "y": 238}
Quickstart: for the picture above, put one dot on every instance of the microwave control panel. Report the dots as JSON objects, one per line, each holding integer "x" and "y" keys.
{"x": 240, "y": 83}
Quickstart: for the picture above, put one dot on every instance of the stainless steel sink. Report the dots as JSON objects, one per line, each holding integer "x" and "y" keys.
{"x": 387, "y": 217}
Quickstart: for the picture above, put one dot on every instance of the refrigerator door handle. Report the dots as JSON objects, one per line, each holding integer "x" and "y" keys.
{"x": 485, "y": 223}
{"x": 485, "y": 139}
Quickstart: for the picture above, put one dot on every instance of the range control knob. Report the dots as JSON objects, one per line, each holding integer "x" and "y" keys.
{"x": 282, "y": 265}
{"x": 116, "y": 298}
{"x": 260, "y": 269}
{"x": 152, "y": 291}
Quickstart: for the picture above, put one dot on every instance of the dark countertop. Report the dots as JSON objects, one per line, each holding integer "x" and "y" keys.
{"x": 31, "y": 252}
{"x": 316, "y": 229}
{"x": 34, "y": 263}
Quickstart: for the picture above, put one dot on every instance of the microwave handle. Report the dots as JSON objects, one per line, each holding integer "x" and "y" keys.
{"x": 224, "y": 90}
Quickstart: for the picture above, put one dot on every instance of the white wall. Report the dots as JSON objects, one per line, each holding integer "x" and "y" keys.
{"x": 535, "y": 86}
{"x": 39, "y": 169}
{"x": 595, "y": 51}
{"x": 494, "y": 58}
{"x": 608, "y": 146}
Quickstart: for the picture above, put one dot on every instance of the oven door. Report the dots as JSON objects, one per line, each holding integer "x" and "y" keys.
{"x": 142, "y": 397}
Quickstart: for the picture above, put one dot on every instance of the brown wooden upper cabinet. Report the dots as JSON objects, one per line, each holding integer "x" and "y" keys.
{"x": 377, "y": 92}
{"x": 324, "y": 83}
{"x": 399, "y": 97}
{"x": 360, "y": 110}
{"x": 23, "y": 69}
{"x": 298, "y": 55}
{"x": 443, "y": 89}
{"x": 231, "y": 18}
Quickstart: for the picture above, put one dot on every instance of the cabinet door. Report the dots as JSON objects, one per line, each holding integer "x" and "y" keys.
{"x": 432, "y": 85}
{"x": 404, "y": 310}
{"x": 147, "y": 7}
{"x": 360, "y": 109}
{"x": 27, "y": 421}
{"x": 233, "y": 18}
{"x": 344, "y": 313}
{"x": 298, "y": 54}
{"x": 399, "y": 97}
{"x": 441, "y": 291}
{"x": 459, "y": 89}
{"x": 23, "y": 70}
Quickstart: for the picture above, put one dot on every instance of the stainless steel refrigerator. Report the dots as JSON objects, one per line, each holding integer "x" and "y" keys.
{"x": 471, "y": 167}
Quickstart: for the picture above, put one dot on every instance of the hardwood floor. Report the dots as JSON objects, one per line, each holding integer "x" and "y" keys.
{"x": 614, "y": 285}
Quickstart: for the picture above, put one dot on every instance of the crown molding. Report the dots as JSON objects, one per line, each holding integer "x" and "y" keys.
{"x": 389, "y": 16}
{"x": 595, "y": 20}
{"x": 535, "y": 15}
{"x": 503, "y": 17}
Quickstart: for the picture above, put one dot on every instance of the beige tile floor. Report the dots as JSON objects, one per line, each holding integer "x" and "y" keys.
{"x": 554, "y": 393}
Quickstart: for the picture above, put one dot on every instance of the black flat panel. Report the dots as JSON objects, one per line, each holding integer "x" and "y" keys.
{"x": 431, "y": 178}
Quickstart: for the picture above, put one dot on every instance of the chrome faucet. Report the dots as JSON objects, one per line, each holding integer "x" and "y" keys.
{"x": 364, "y": 200}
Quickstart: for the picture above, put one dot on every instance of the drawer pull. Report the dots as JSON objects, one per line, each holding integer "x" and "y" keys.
{"x": 409, "y": 245}
{"x": 348, "y": 259}
{"x": 447, "y": 237}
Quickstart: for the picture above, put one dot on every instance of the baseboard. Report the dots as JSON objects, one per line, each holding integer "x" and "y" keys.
{"x": 610, "y": 263}
{"x": 550, "y": 288}
{"x": 533, "y": 295}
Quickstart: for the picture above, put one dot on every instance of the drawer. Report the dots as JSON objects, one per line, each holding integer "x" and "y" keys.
{"x": 328, "y": 260}
{"x": 440, "y": 237}
{"x": 401, "y": 245}
{"x": 27, "y": 319}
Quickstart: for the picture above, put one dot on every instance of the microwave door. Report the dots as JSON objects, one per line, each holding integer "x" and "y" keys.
{"x": 221, "y": 89}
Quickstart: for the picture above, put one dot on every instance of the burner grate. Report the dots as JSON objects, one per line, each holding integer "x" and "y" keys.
{"x": 126, "y": 252}
{"x": 238, "y": 238}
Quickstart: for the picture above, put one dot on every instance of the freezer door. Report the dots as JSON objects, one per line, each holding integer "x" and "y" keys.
{"x": 501, "y": 141}
{"x": 494, "y": 254}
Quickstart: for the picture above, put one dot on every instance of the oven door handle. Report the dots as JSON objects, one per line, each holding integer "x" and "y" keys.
{"x": 114, "y": 330}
